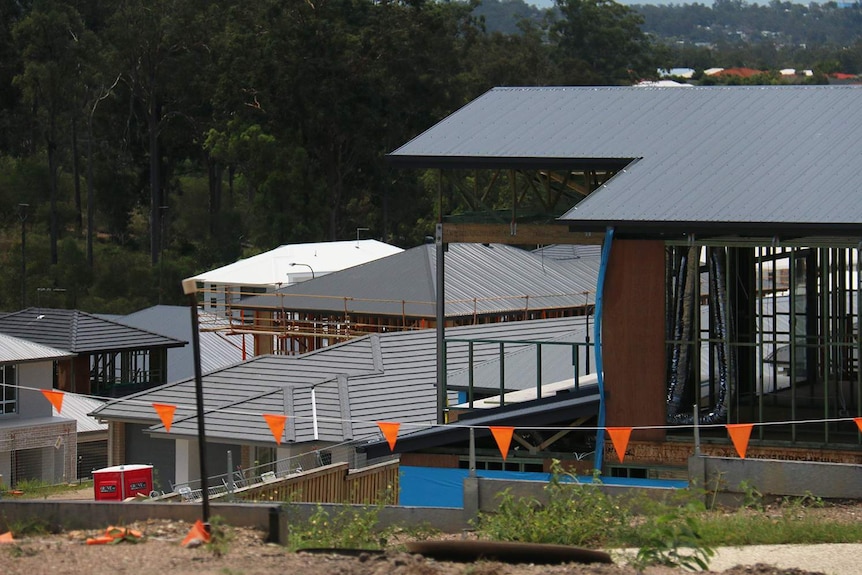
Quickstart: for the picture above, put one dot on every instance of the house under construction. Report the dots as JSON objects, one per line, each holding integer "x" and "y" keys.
{"x": 731, "y": 225}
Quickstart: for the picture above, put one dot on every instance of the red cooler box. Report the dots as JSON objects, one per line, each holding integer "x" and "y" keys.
{"x": 121, "y": 481}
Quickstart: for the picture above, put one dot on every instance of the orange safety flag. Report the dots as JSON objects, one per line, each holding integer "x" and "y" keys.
{"x": 503, "y": 436}
{"x": 276, "y": 425}
{"x": 620, "y": 439}
{"x": 858, "y": 421}
{"x": 55, "y": 397}
{"x": 116, "y": 535}
{"x": 198, "y": 533}
{"x": 6, "y": 537}
{"x": 739, "y": 434}
{"x": 166, "y": 414}
{"x": 390, "y": 432}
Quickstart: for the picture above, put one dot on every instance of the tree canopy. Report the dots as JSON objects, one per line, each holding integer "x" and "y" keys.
{"x": 189, "y": 133}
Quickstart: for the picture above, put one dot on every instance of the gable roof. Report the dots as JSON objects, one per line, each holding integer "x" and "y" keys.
{"x": 389, "y": 376}
{"x": 218, "y": 349}
{"x": 480, "y": 279}
{"x": 79, "y": 332}
{"x": 17, "y": 350}
{"x": 739, "y": 159}
{"x": 274, "y": 267}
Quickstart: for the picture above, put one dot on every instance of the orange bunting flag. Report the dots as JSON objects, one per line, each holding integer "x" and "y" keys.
{"x": 620, "y": 439}
{"x": 276, "y": 425}
{"x": 739, "y": 434}
{"x": 503, "y": 435}
{"x": 6, "y": 537}
{"x": 55, "y": 397}
{"x": 858, "y": 421}
{"x": 197, "y": 535}
{"x": 166, "y": 414}
{"x": 390, "y": 432}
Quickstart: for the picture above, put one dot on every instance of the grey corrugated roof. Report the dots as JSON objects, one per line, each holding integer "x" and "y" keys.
{"x": 563, "y": 407}
{"x": 746, "y": 160}
{"x": 481, "y": 279}
{"x": 79, "y": 332}
{"x": 218, "y": 349}
{"x": 17, "y": 350}
{"x": 78, "y": 407}
{"x": 381, "y": 377}
{"x": 519, "y": 367}
{"x": 569, "y": 251}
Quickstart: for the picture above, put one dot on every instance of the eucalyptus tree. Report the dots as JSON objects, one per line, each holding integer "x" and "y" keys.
{"x": 600, "y": 42}
{"x": 48, "y": 40}
{"x": 158, "y": 46}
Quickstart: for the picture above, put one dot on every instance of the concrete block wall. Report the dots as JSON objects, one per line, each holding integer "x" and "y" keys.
{"x": 727, "y": 478}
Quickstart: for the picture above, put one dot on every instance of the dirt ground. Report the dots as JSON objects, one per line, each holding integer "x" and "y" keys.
{"x": 246, "y": 553}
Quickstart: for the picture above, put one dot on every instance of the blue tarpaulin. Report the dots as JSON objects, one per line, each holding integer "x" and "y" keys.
{"x": 442, "y": 487}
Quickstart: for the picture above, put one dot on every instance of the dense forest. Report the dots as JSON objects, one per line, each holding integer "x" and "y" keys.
{"x": 144, "y": 141}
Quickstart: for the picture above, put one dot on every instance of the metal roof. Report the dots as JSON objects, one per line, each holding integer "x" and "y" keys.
{"x": 380, "y": 377}
{"x": 274, "y": 267}
{"x": 78, "y": 407}
{"x": 569, "y": 251}
{"x": 740, "y": 159}
{"x": 17, "y": 350}
{"x": 79, "y": 332}
{"x": 218, "y": 349}
{"x": 563, "y": 407}
{"x": 480, "y": 279}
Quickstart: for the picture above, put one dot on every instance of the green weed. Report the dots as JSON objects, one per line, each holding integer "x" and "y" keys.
{"x": 348, "y": 528}
{"x": 574, "y": 514}
{"x": 220, "y": 536}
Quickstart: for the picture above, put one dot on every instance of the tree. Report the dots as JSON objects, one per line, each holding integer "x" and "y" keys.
{"x": 600, "y": 42}
{"x": 47, "y": 38}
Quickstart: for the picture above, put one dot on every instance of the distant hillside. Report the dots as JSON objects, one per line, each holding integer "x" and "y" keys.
{"x": 723, "y": 22}
{"x": 503, "y": 15}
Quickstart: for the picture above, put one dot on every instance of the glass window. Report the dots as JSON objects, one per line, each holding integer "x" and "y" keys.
{"x": 8, "y": 390}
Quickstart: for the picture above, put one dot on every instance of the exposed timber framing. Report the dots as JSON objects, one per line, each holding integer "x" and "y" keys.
{"x": 517, "y": 234}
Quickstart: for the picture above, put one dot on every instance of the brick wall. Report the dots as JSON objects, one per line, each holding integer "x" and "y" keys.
{"x": 49, "y": 437}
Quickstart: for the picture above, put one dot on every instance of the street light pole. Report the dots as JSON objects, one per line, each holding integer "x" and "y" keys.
{"x": 190, "y": 290}
{"x": 22, "y": 215}
{"x": 306, "y": 265}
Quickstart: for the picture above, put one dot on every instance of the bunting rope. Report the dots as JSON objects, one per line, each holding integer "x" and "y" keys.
{"x": 55, "y": 397}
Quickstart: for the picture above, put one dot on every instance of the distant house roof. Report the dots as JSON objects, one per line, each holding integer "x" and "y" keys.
{"x": 17, "y": 350}
{"x": 217, "y": 348}
{"x": 274, "y": 267}
{"x": 480, "y": 279}
{"x": 79, "y": 332}
{"x": 743, "y": 160}
{"x": 357, "y": 383}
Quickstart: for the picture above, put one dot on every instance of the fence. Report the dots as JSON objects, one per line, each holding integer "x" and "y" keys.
{"x": 335, "y": 483}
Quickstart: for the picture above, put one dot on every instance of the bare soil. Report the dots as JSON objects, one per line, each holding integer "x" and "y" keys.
{"x": 245, "y": 552}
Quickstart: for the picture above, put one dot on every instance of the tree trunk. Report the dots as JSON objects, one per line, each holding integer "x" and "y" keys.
{"x": 91, "y": 207}
{"x": 155, "y": 177}
{"x": 52, "y": 175}
{"x": 76, "y": 176}
{"x": 214, "y": 171}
